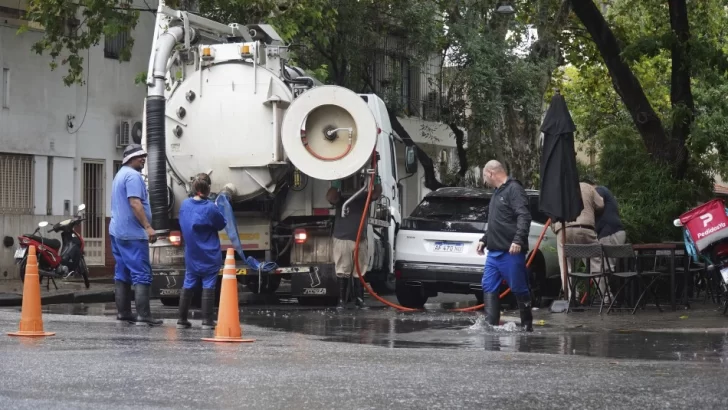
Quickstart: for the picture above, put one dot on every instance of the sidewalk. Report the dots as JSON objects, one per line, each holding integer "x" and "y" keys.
{"x": 100, "y": 291}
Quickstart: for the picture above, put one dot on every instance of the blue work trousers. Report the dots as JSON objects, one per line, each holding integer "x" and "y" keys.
{"x": 192, "y": 280}
{"x": 500, "y": 266}
{"x": 132, "y": 261}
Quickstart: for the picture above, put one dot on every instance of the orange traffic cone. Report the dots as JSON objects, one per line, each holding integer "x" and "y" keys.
{"x": 228, "y": 317}
{"x": 31, "y": 322}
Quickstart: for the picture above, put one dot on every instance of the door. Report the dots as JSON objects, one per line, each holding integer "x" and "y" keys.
{"x": 93, "y": 182}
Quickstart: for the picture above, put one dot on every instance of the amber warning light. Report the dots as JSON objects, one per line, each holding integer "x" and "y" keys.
{"x": 299, "y": 236}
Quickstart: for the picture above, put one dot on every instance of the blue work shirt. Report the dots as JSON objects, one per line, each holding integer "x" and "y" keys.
{"x": 200, "y": 221}
{"x": 128, "y": 183}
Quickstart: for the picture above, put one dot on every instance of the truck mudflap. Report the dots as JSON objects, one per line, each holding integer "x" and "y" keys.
{"x": 167, "y": 282}
{"x": 313, "y": 281}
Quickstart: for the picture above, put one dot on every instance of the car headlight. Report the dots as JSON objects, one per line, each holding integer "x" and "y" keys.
{"x": 167, "y": 255}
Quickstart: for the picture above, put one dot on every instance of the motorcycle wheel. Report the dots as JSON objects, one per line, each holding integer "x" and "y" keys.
{"x": 83, "y": 270}
{"x": 21, "y": 270}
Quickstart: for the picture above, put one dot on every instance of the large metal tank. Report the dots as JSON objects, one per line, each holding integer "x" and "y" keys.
{"x": 225, "y": 119}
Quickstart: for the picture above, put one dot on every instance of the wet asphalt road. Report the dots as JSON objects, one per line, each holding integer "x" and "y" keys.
{"x": 307, "y": 358}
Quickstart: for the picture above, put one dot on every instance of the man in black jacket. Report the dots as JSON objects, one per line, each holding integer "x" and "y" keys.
{"x": 506, "y": 239}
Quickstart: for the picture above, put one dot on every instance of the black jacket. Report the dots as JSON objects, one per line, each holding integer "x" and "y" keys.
{"x": 509, "y": 219}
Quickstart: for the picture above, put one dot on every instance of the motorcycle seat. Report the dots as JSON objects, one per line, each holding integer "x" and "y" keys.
{"x": 51, "y": 243}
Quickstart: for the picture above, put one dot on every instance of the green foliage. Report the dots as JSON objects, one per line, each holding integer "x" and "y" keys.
{"x": 73, "y": 27}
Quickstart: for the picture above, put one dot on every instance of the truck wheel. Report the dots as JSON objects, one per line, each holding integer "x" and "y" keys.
{"x": 269, "y": 285}
{"x": 318, "y": 301}
{"x": 410, "y": 296}
{"x": 169, "y": 301}
{"x": 385, "y": 286}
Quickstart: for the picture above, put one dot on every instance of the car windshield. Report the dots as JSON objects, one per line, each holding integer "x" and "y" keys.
{"x": 453, "y": 209}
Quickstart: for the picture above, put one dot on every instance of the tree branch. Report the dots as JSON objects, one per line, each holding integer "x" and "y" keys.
{"x": 625, "y": 83}
{"x": 459, "y": 143}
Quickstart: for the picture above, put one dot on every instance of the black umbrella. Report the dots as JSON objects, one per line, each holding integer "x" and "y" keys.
{"x": 560, "y": 196}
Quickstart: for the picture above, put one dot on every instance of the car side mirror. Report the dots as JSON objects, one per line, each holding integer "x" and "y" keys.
{"x": 410, "y": 159}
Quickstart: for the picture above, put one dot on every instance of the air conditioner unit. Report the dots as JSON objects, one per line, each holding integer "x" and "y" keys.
{"x": 123, "y": 134}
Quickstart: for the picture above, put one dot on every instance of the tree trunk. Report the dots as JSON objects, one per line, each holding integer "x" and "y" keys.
{"x": 625, "y": 83}
{"x": 681, "y": 95}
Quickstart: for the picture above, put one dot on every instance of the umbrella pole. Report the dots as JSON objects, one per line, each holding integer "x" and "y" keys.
{"x": 565, "y": 267}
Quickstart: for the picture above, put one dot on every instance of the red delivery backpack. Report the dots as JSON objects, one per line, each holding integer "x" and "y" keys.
{"x": 706, "y": 224}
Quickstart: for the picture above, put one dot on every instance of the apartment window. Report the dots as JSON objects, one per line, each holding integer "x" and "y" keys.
{"x": 114, "y": 44}
{"x": 16, "y": 184}
{"x": 6, "y": 88}
{"x": 117, "y": 167}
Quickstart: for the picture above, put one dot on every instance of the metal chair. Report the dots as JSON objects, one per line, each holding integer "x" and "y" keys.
{"x": 588, "y": 252}
{"x": 628, "y": 274}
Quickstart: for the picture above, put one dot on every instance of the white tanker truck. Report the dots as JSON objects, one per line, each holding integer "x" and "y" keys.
{"x": 222, "y": 100}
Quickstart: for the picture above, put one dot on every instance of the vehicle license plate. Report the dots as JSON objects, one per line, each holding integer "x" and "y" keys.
{"x": 724, "y": 273}
{"x": 450, "y": 247}
{"x": 20, "y": 253}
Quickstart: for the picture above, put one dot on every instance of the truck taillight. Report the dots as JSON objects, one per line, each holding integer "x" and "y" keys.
{"x": 299, "y": 236}
{"x": 175, "y": 238}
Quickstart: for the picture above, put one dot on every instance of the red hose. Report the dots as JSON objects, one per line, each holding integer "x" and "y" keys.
{"x": 363, "y": 223}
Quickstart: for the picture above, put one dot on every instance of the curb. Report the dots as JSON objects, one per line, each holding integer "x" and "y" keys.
{"x": 102, "y": 296}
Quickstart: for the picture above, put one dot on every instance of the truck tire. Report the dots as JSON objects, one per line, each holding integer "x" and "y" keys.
{"x": 318, "y": 301}
{"x": 412, "y": 297}
{"x": 169, "y": 301}
{"x": 269, "y": 285}
{"x": 386, "y": 285}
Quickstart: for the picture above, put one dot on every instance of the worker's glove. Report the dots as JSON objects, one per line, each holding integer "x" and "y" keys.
{"x": 377, "y": 180}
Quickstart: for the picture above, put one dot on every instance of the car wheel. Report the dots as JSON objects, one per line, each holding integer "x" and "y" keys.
{"x": 410, "y": 296}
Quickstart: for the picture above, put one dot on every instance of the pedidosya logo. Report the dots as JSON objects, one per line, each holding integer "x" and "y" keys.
{"x": 707, "y": 218}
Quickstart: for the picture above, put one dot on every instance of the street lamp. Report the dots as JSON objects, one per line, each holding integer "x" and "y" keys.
{"x": 505, "y": 8}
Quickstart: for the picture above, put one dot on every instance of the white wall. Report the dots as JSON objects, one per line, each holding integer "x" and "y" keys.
{"x": 35, "y": 122}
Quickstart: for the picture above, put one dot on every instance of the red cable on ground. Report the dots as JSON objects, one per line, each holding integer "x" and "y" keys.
{"x": 363, "y": 223}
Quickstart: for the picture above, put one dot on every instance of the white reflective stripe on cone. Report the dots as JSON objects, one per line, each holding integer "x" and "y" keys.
{"x": 228, "y": 276}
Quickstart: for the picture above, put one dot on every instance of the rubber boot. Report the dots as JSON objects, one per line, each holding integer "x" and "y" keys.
{"x": 142, "y": 294}
{"x": 524, "y": 306}
{"x": 359, "y": 292}
{"x": 122, "y": 294}
{"x": 208, "y": 309}
{"x": 185, "y": 299}
{"x": 492, "y": 308}
{"x": 342, "y": 292}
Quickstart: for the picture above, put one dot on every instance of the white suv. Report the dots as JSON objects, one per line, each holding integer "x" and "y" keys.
{"x": 436, "y": 247}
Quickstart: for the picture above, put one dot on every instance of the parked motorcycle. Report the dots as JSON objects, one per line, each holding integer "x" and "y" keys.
{"x": 56, "y": 259}
{"x": 706, "y": 237}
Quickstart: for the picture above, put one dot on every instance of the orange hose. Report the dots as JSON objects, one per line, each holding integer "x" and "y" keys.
{"x": 507, "y": 291}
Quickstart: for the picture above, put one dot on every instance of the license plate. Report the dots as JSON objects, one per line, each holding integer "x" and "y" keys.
{"x": 20, "y": 253}
{"x": 724, "y": 274}
{"x": 449, "y": 247}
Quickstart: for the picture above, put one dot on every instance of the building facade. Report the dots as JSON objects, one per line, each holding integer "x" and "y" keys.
{"x": 60, "y": 146}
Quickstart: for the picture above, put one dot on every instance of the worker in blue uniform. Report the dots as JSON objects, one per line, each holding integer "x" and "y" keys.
{"x": 200, "y": 221}
{"x": 131, "y": 232}
{"x": 509, "y": 222}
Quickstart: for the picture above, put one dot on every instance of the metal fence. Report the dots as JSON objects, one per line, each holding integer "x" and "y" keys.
{"x": 16, "y": 184}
